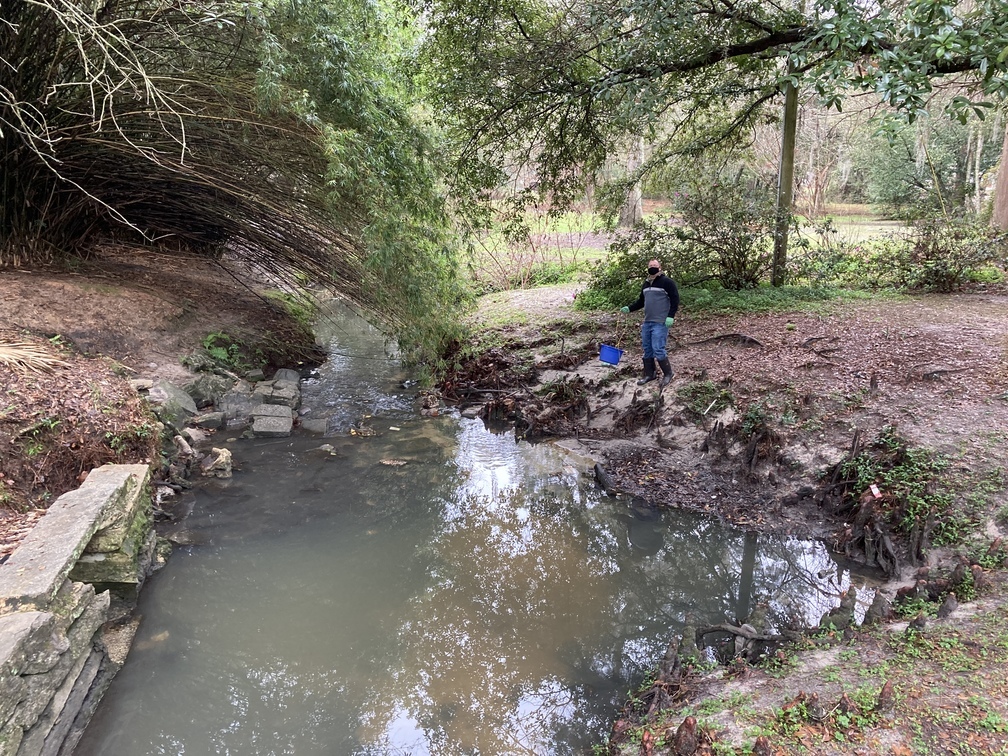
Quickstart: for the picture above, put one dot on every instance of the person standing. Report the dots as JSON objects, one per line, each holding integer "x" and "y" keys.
{"x": 660, "y": 299}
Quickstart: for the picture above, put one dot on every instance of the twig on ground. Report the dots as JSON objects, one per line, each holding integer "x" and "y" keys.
{"x": 740, "y": 338}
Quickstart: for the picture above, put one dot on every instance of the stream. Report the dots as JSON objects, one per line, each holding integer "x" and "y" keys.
{"x": 433, "y": 588}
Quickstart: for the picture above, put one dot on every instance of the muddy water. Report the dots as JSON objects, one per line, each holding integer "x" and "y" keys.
{"x": 482, "y": 597}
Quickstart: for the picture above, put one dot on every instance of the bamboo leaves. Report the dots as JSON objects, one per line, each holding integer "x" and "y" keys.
{"x": 274, "y": 133}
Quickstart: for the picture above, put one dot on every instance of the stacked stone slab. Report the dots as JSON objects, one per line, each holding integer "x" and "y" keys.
{"x": 119, "y": 554}
{"x": 53, "y": 664}
{"x": 275, "y": 401}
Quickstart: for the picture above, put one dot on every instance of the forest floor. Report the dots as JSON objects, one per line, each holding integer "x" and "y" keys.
{"x": 805, "y": 385}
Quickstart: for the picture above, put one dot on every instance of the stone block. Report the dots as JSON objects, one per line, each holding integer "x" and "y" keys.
{"x": 70, "y": 602}
{"x": 35, "y": 572}
{"x": 286, "y": 374}
{"x": 237, "y": 403}
{"x": 24, "y": 641}
{"x": 217, "y": 463}
{"x": 124, "y": 538}
{"x": 36, "y": 735}
{"x": 317, "y": 425}
{"x": 12, "y": 692}
{"x": 294, "y": 386}
{"x": 172, "y": 405}
{"x": 266, "y": 426}
{"x": 254, "y": 375}
{"x": 285, "y": 395}
{"x": 121, "y": 520}
{"x": 261, "y": 390}
{"x": 125, "y": 498}
{"x": 107, "y": 567}
{"x": 196, "y": 436}
{"x": 238, "y": 423}
{"x": 272, "y": 410}
{"x": 106, "y": 671}
{"x": 209, "y": 420}
{"x": 10, "y": 739}
{"x": 207, "y": 389}
{"x": 67, "y": 715}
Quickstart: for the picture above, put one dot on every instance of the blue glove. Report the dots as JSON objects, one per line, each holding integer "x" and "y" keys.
{"x": 624, "y": 309}
{"x": 669, "y": 322}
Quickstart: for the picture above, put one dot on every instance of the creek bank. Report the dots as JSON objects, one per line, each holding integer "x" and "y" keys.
{"x": 868, "y": 683}
{"x": 69, "y": 587}
{"x": 758, "y": 429}
{"x": 63, "y": 634}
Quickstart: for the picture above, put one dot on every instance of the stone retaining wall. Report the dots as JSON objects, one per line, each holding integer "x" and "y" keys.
{"x": 55, "y": 662}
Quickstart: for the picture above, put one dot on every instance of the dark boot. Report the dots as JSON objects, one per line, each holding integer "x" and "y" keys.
{"x": 649, "y": 371}
{"x": 666, "y": 372}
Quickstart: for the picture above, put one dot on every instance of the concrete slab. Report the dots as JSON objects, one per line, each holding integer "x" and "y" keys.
{"x": 35, "y": 572}
{"x": 266, "y": 426}
{"x": 272, "y": 410}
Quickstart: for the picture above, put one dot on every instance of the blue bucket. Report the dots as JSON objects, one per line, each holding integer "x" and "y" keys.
{"x": 610, "y": 354}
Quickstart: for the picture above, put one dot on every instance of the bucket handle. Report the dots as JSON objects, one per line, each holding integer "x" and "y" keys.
{"x": 620, "y": 322}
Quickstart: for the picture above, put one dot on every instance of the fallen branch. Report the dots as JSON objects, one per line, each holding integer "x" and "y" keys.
{"x": 739, "y": 338}
{"x": 745, "y": 631}
{"x": 807, "y": 344}
{"x": 471, "y": 391}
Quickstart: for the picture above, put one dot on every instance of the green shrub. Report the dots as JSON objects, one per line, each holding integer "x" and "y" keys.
{"x": 826, "y": 261}
{"x": 764, "y": 298}
{"x": 730, "y": 224}
{"x": 226, "y": 351}
{"x": 934, "y": 255}
{"x": 720, "y": 235}
{"x": 546, "y": 274}
{"x": 945, "y": 255}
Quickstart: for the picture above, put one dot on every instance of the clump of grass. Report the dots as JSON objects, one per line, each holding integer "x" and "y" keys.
{"x": 704, "y": 396}
{"x": 915, "y": 483}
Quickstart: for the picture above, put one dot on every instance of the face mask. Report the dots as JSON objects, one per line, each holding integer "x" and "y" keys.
{"x": 653, "y": 271}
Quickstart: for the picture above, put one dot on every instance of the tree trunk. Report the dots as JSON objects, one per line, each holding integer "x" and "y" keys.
{"x": 977, "y": 173}
{"x": 785, "y": 185}
{"x": 1001, "y": 189}
{"x": 632, "y": 211}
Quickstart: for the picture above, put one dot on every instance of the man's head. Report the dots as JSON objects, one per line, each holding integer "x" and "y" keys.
{"x": 653, "y": 267}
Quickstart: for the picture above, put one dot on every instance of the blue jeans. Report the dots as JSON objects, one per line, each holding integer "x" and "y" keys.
{"x": 653, "y": 338}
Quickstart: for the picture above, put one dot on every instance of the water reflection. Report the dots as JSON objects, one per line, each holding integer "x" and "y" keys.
{"x": 482, "y": 598}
